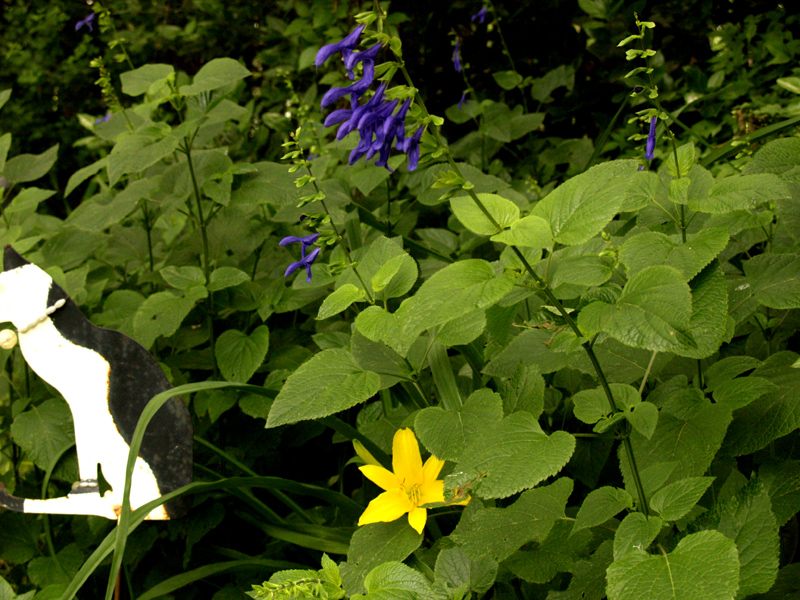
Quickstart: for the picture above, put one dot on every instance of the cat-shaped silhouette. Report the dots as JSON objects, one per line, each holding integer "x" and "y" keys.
{"x": 107, "y": 379}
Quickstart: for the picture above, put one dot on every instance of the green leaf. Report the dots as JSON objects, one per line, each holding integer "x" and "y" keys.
{"x": 782, "y": 482}
{"x": 643, "y": 418}
{"x": 461, "y": 331}
{"x": 674, "y": 501}
{"x": 182, "y": 278}
{"x": 136, "y": 152}
{"x": 635, "y": 532}
{"x": 5, "y": 144}
{"x": 368, "y": 178}
{"x": 214, "y": 75}
{"x": 674, "y": 576}
{"x": 83, "y": 174}
{"x": 4, "y": 96}
{"x": 775, "y": 279}
{"x": 524, "y": 391}
{"x": 789, "y": 83}
{"x": 395, "y": 277}
{"x": 680, "y": 447}
{"x": 652, "y": 248}
{"x": 709, "y": 312}
{"x": 446, "y": 433}
{"x": 30, "y": 167}
{"x": 507, "y": 80}
{"x": 686, "y": 157}
{"x": 559, "y": 553}
{"x": 105, "y": 209}
{"x": 600, "y": 505}
{"x": 329, "y": 382}
{"x": 44, "y": 431}
{"x": 239, "y": 355}
{"x": 580, "y": 208}
{"x": 381, "y": 258}
{"x": 373, "y": 545}
{"x": 589, "y": 579}
{"x": 592, "y": 405}
{"x": 450, "y": 293}
{"x": 776, "y": 413}
{"x": 741, "y": 192}
{"x": 340, "y": 300}
{"x": 561, "y": 76}
{"x": 162, "y": 313}
{"x": 139, "y": 81}
{"x": 394, "y": 581}
{"x": 739, "y": 392}
{"x": 652, "y": 312}
{"x": 504, "y": 212}
{"x": 527, "y": 232}
{"x": 454, "y": 568}
{"x": 515, "y": 454}
{"x": 225, "y": 277}
{"x": 379, "y": 358}
{"x": 27, "y": 200}
{"x": 747, "y": 519}
{"x": 781, "y": 157}
{"x": 499, "y": 532}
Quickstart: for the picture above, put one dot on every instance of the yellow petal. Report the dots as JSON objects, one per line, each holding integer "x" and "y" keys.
{"x": 431, "y": 491}
{"x": 406, "y": 460}
{"x": 431, "y": 469}
{"x": 383, "y": 478}
{"x": 389, "y": 506}
{"x": 417, "y": 518}
{"x": 365, "y": 455}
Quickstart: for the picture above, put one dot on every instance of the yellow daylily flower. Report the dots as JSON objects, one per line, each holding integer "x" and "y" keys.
{"x": 409, "y": 488}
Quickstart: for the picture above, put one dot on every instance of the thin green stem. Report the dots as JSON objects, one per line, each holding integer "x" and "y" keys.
{"x": 202, "y": 223}
{"x": 601, "y": 142}
{"x": 545, "y": 288}
{"x": 506, "y": 51}
{"x": 340, "y": 238}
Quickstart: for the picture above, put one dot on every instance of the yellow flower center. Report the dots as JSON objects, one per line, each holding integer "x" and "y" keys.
{"x": 413, "y": 495}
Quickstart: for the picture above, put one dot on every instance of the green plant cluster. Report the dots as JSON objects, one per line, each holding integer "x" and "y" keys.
{"x": 602, "y": 348}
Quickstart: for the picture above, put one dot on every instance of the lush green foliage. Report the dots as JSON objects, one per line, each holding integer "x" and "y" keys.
{"x": 606, "y": 357}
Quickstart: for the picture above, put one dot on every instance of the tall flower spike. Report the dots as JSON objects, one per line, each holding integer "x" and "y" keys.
{"x": 651, "y": 140}
{"x": 348, "y": 43}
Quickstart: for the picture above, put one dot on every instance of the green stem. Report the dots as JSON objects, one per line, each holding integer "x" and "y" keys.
{"x": 506, "y": 51}
{"x": 340, "y": 238}
{"x": 202, "y": 223}
{"x": 545, "y": 288}
{"x": 601, "y": 142}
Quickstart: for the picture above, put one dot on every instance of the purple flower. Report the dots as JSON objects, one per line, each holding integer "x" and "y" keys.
{"x": 347, "y": 44}
{"x": 305, "y": 261}
{"x": 457, "y": 56}
{"x": 411, "y": 147}
{"x": 358, "y": 88}
{"x": 356, "y": 57}
{"x": 87, "y": 21}
{"x": 463, "y": 100}
{"x": 102, "y": 119}
{"x": 480, "y": 16}
{"x": 651, "y": 140}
